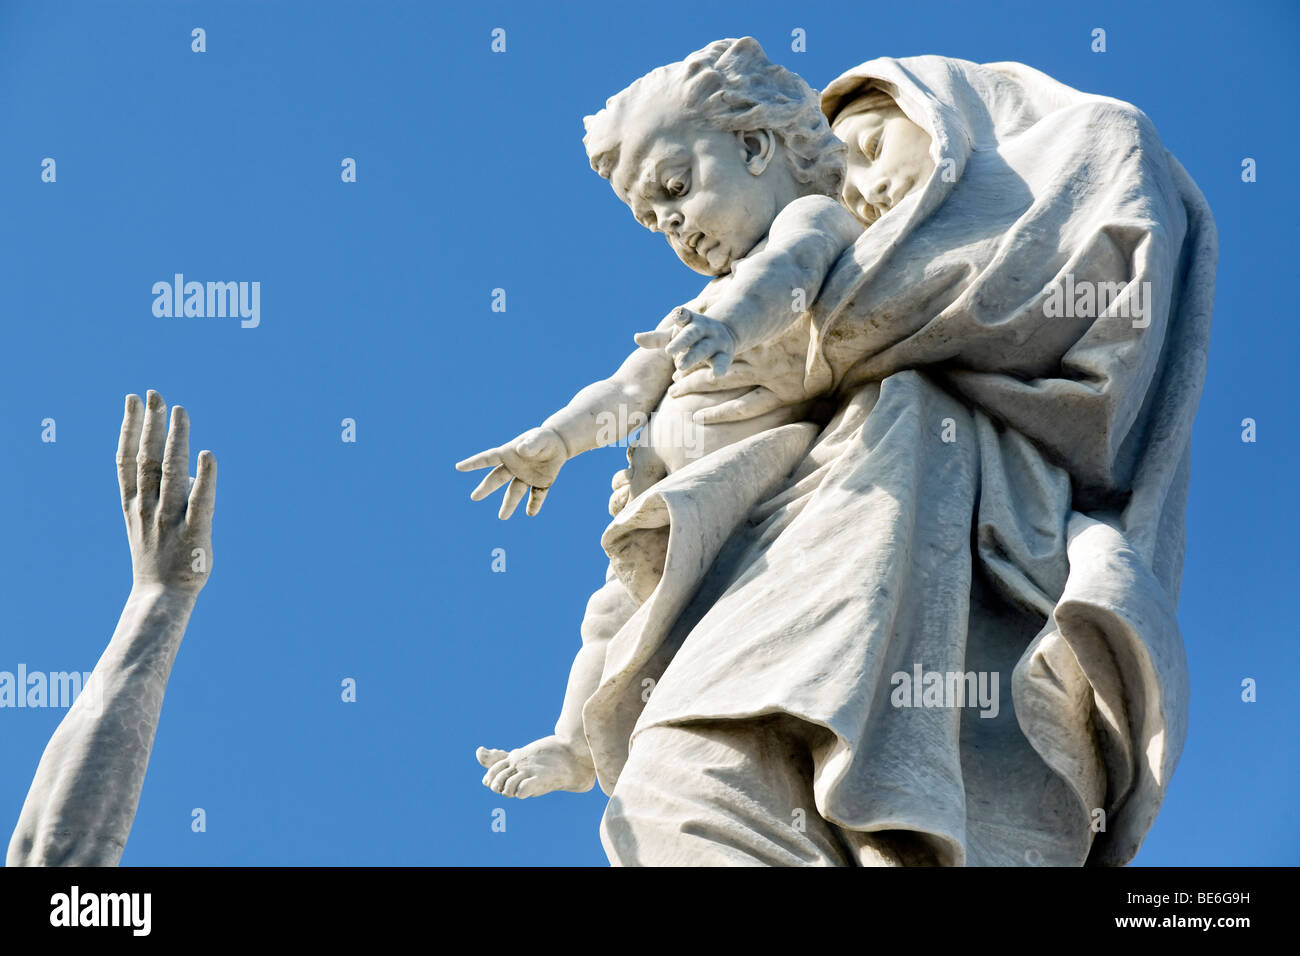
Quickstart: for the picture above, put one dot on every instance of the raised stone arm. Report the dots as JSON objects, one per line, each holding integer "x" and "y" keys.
{"x": 83, "y": 800}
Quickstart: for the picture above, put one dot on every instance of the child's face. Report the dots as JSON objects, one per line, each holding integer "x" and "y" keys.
{"x": 888, "y": 155}
{"x": 708, "y": 191}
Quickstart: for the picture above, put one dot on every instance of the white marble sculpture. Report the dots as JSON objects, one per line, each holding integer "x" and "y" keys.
{"x": 935, "y": 438}
{"x": 83, "y": 799}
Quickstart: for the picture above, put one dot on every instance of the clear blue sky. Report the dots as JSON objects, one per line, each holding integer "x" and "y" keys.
{"x": 368, "y": 560}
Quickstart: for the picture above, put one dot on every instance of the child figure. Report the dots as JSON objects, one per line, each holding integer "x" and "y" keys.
{"x": 729, "y": 156}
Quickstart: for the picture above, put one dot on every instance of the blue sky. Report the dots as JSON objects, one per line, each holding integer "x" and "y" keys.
{"x": 368, "y": 560}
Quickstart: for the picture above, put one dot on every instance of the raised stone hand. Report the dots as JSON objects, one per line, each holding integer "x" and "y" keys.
{"x": 529, "y": 463}
{"x": 83, "y": 798}
{"x": 168, "y": 514}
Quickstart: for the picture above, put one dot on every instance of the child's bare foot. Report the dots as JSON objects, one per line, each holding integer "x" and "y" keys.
{"x": 540, "y": 767}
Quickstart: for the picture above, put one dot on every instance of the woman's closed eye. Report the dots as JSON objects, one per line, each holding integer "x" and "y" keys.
{"x": 870, "y": 143}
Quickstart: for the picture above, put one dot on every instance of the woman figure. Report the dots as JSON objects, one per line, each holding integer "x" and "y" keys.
{"x": 1010, "y": 357}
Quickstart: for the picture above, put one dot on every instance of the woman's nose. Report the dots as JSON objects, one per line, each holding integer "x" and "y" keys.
{"x": 880, "y": 190}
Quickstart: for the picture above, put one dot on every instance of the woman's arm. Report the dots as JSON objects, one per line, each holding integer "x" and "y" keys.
{"x": 83, "y": 800}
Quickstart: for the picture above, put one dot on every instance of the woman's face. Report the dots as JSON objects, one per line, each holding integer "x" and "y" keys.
{"x": 888, "y": 155}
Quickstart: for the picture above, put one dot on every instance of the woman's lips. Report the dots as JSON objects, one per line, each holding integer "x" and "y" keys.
{"x": 870, "y": 211}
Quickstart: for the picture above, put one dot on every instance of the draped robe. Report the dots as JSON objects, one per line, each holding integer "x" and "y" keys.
{"x": 1000, "y": 489}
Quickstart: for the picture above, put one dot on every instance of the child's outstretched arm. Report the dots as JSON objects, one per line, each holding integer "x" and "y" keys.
{"x": 760, "y": 301}
{"x": 602, "y": 413}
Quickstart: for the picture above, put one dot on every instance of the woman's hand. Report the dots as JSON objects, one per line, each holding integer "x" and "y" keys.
{"x": 528, "y": 463}
{"x": 766, "y": 391}
{"x": 168, "y": 514}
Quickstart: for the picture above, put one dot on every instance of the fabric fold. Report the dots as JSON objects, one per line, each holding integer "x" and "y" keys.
{"x": 1014, "y": 353}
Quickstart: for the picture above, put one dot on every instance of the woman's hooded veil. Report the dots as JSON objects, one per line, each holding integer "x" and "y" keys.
{"x": 1016, "y": 351}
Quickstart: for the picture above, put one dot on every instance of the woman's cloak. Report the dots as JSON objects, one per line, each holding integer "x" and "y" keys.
{"x": 1015, "y": 354}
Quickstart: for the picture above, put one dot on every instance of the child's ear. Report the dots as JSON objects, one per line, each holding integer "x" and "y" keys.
{"x": 757, "y": 147}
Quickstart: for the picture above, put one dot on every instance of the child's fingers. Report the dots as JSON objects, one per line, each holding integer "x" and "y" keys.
{"x": 510, "y": 501}
{"x": 535, "y": 498}
{"x": 697, "y": 354}
{"x": 497, "y": 477}
{"x": 684, "y": 339}
{"x": 484, "y": 458}
{"x": 652, "y": 340}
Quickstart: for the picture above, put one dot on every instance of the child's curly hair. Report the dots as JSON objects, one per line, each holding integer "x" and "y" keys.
{"x": 732, "y": 85}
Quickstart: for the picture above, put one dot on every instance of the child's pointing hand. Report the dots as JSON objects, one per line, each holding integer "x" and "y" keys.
{"x": 528, "y": 464}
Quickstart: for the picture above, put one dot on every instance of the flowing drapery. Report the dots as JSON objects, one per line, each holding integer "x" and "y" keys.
{"x": 1001, "y": 491}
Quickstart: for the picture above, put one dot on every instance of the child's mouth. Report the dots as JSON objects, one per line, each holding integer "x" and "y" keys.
{"x": 696, "y": 250}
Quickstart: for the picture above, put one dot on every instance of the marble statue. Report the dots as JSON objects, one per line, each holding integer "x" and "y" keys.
{"x": 83, "y": 799}
{"x": 895, "y": 564}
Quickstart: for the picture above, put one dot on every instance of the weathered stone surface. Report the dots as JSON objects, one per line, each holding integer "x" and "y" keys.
{"x": 893, "y": 577}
